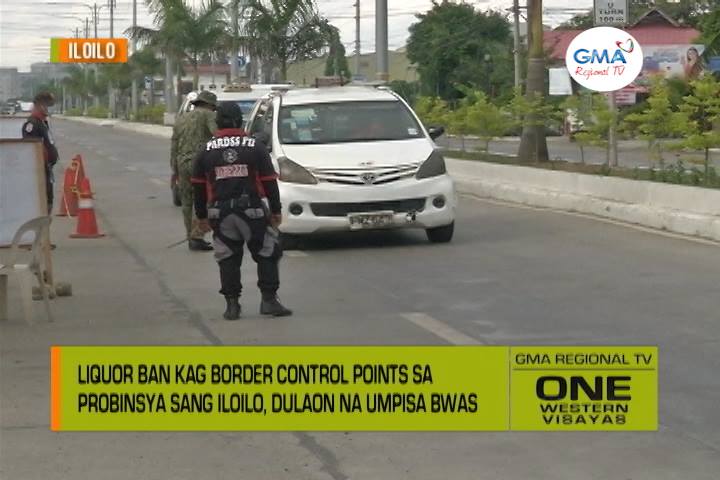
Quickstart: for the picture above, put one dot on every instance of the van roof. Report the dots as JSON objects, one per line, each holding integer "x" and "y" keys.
{"x": 303, "y": 96}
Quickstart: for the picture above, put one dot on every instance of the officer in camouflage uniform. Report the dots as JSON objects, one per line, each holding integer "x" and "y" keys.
{"x": 191, "y": 132}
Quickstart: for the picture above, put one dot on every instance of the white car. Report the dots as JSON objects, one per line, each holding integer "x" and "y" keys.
{"x": 354, "y": 158}
{"x": 244, "y": 95}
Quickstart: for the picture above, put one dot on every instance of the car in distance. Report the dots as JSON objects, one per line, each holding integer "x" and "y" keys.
{"x": 354, "y": 158}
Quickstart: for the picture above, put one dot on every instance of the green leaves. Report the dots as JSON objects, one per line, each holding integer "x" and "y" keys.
{"x": 699, "y": 117}
{"x": 453, "y": 44}
{"x": 282, "y": 31}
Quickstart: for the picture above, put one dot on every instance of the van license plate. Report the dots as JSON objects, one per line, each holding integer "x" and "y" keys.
{"x": 359, "y": 221}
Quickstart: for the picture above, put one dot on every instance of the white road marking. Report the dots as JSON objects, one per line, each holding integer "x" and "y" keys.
{"x": 132, "y": 169}
{"x": 662, "y": 233}
{"x": 440, "y": 329}
{"x": 162, "y": 183}
{"x": 295, "y": 253}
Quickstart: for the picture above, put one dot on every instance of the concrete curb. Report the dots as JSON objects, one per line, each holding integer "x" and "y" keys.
{"x": 680, "y": 209}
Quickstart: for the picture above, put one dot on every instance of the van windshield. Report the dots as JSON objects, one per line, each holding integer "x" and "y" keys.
{"x": 364, "y": 121}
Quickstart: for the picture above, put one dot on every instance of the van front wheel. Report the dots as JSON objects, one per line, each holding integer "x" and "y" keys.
{"x": 441, "y": 234}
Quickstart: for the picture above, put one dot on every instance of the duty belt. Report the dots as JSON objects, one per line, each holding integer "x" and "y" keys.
{"x": 242, "y": 203}
{"x": 233, "y": 203}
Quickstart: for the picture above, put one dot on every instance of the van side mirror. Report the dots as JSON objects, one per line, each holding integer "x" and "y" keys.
{"x": 435, "y": 131}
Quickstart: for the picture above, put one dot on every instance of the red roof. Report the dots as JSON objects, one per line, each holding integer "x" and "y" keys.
{"x": 557, "y": 41}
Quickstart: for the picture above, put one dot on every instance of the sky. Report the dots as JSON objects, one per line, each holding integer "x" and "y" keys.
{"x": 26, "y": 26}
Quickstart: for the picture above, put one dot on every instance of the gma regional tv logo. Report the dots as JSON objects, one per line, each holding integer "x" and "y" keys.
{"x": 604, "y": 59}
{"x": 88, "y": 50}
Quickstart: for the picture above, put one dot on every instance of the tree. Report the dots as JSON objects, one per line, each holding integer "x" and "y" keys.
{"x": 655, "y": 122}
{"x": 204, "y": 31}
{"x": 453, "y": 44}
{"x": 699, "y": 116}
{"x": 181, "y": 33}
{"x": 77, "y": 84}
{"x": 578, "y": 22}
{"x": 709, "y": 25}
{"x": 144, "y": 62}
{"x": 485, "y": 119}
{"x": 336, "y": 64}
{"x": 284, "y": 31}
{"x": 432, "y": 110}
{"x": 533, "y": 144}
{"x": 594, "y": 117}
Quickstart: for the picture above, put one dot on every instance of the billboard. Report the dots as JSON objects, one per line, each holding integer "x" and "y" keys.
{"x": 682, "y": 61}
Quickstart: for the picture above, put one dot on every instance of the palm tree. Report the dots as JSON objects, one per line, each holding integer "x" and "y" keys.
{"x": 283, "y": 31}
{"x": 167, "y": 38}
{"x": 77, "y": 85}
{"x": 533, "y": 143}
{"x": 205, "y": 31}
{"x": 144, "y": 62}
{"x": 181, "y": 33}
{"x": 336, "y": 63}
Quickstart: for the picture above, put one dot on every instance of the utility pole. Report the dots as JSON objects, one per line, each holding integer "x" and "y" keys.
{"x": 516, "y": 43}
{"x": 134, "y": 86}
{"x": 357, "y": 37}
{"x": 234, "y": 70}
{"x": 111, "y": 4}
{"x": 381, "y": 39}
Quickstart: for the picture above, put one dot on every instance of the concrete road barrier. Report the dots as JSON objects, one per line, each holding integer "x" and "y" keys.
{"x": 675, "y": 208}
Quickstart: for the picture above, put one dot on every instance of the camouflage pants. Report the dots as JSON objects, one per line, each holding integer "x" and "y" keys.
{"x": 186, "y": 198}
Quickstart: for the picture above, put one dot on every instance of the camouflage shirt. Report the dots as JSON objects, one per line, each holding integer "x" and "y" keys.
{"x": 191, "y": 132}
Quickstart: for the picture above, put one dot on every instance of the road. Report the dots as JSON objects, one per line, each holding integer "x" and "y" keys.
{"x": 512, "y": 275}
{"x": 631, "y": 153}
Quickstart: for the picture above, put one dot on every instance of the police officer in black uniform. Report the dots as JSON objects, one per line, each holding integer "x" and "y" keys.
{"x": 36, "y": 126}
{"x": 244, "y": 207}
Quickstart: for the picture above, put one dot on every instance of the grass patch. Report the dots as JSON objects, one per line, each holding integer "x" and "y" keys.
{"x": 678, "y": 173}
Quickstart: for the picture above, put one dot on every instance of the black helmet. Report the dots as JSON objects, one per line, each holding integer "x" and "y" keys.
{"x": 228, "y": 115}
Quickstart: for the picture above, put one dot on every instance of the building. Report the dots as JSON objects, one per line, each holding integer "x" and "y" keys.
{"x": 47, "y": 72}
{"x": 305, "y": 73}
{"x": 666, "y": 44}
{"x": 9, "y": 84}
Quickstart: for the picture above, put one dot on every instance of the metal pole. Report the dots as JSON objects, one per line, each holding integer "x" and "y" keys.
{"x": 112, "y": 9}
{"x": 234, "y": 52}
{"x": 516, "y": 42}
{"x": 134, "y": 86}
{"x": 357, "y": 37}
{"x": 381, "y": 39}
{"x": 612, "y": 132}
{"x": 95, "y": 18}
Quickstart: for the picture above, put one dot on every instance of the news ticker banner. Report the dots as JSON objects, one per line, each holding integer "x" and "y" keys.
{"x": 371, "y": 388}
{"x": 88, "y": 50}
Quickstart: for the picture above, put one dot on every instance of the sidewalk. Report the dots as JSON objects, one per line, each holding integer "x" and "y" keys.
{"x": 117, "y": 300}
{"x": 146, "y": 128}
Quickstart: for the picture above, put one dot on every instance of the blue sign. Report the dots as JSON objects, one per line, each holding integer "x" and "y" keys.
{"x": 241, "y": 61}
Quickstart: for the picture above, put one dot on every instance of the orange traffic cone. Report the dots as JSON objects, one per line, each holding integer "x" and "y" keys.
{"x": 69, "y": 201}
{"x": 87, "y": 223}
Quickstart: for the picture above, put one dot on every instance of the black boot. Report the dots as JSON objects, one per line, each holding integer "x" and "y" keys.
{"x": 199, "y": 245}
{"x": 232, "y": 312}
{"x": 270, "y": 305}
